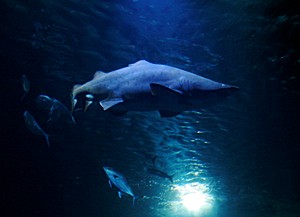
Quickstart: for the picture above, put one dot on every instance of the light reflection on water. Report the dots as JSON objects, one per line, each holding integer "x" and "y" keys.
{"x": 193, "y": 198}
{"x": 188, "y": 200}
{"x": 185, "y": 147}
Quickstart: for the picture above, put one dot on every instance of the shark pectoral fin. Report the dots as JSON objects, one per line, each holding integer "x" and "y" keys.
{"x": 110, "y": 102}
{"x": 120, "y": 194}
{"x": 167, "y": 114}
{"x": 163, "y": 91}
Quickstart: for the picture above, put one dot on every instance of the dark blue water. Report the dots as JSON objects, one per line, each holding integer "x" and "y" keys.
{"x": 239, "y": 157}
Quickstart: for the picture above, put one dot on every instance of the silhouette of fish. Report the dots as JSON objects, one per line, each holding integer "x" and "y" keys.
{"x": 119, "y": 181}
{"x": 55, "y": 107}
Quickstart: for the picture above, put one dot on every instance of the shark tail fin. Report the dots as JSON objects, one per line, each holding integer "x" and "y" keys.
{"x": 74, "y": 92}
{"x": 134, "y": 198}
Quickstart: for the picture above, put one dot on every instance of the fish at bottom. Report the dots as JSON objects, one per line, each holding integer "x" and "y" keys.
{"x": 120, "y": 182}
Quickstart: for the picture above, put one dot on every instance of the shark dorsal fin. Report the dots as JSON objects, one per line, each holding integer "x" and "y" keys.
{"x": 98, "y": 74}
{"x": 139, "y": 63}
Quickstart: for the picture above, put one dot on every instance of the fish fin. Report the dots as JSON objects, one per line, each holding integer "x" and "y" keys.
{"x": 98, "y": 74}
{"x": 120, "y": 194}
{"x": 140, "y": 62}
{"x": 109, "y": 182}
{"x": 110, "y": 102}
{"x": 167, "y": 114}
{"x": 163, "y": 91}
{"x": 134, "y": 198}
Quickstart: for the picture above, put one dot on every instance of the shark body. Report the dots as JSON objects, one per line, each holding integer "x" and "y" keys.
{"x": 144, "y": 86}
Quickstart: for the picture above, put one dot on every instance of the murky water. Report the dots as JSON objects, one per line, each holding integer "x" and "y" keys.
{"x": 235, "y": 158}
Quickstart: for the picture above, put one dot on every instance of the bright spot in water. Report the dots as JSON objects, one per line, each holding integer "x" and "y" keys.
{"x": 195, "y": 198}
{"x": 194, "y": 201}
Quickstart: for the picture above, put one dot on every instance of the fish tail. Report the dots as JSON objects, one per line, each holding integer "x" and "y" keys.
{"x": 134, "y": 198}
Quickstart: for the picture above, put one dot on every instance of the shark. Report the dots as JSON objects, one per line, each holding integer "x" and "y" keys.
{"x": 119, "y": 181}
{"x": 145, "y": 86}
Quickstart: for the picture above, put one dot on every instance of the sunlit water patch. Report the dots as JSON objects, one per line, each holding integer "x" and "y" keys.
{"x": 193, "y": 198}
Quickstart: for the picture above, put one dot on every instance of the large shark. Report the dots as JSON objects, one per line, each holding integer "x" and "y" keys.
{"x": 144, "y": 86}
{"x": 117, "y": 179}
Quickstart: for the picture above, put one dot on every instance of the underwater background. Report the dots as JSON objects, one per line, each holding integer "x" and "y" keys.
{"x": 239, "y": 156}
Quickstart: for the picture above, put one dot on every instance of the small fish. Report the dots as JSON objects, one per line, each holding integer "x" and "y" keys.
{"x": 25, "y": 84}
{"x": 120, "y": 182}
{"x": 55, "y": 107}
{"x": 34, "y": 127}
{"x": 160, "y": 173}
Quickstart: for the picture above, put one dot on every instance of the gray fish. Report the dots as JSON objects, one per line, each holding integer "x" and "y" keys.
{"x": 119, "y": 181}
{"x": 34, "y": 127}
{"x": 160, "y": 173}
{"x": 145, "y": 86}
{"x": 55, "y": 107}
{"x": 25, "y": 84}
